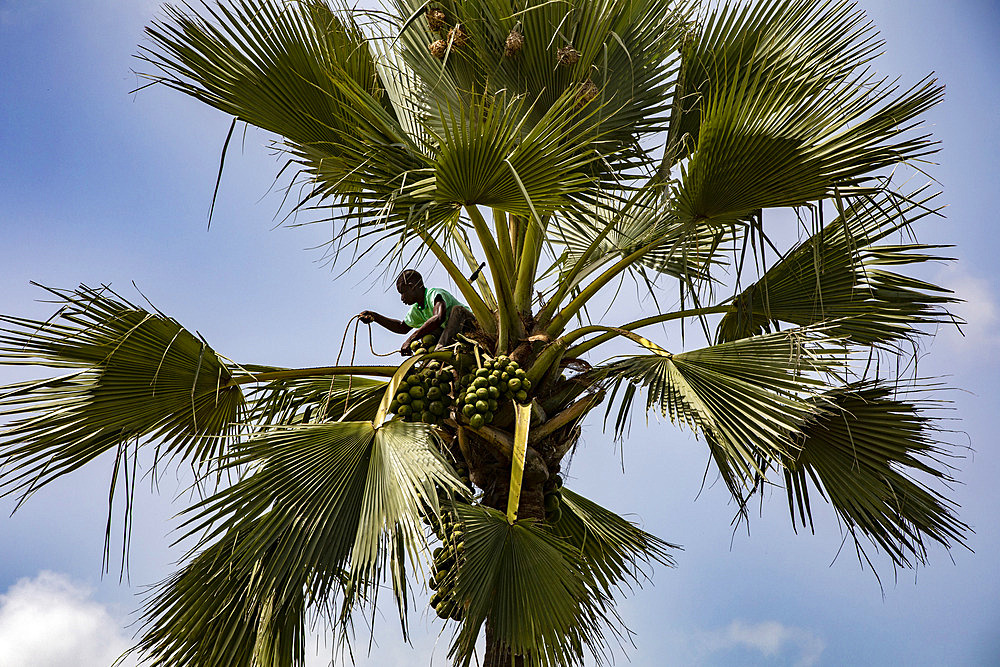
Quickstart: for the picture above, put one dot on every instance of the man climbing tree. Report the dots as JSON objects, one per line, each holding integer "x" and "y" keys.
{"x": 431, "y": 310}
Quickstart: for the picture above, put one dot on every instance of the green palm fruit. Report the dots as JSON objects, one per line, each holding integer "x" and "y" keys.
{"x": 493, "y": 405}
{"x": 417, "y": 392}
{"x": 394, "y": 405}
{"x": 554, "y": 516}
{"x": 433, "y": 584}
{"x": 418, "y": 405}
{"x": 434, "y": 393}
{"x": 404, "y": 397}
{"x": 488, "y": 417}
{"x": 514, "y": 384}
{"x": 482, "y": 372}
{"x": 468, "y": 410}
{"x": 445, "y": 374}
{"x": 414, "y": 345}
{"x": 526, "y": 384}
{"x": 482, "y": 394}
{"x": 420, "y": 350}
{"x": 428, "y": 417}
{"x": 482, "y": 406}
{"x": 480, "y": 383}
{"x": 476, "y": 421}
{"x": 557, "y": 481}
{"x": 436, "y": 408}
{"x": 428, "y": 340}
{"x": 521, "y": 396}
{"x": 404, "y": 410}
{"x": 519, "y": 373}
{"x": 493, "y": 392}
{"x": 436, "y": 599}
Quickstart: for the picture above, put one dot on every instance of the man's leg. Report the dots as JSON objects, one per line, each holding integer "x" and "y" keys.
{"x": 457, "y": 318}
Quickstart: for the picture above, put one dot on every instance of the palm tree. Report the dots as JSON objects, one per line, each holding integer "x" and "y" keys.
{"x": 573, "y": 145}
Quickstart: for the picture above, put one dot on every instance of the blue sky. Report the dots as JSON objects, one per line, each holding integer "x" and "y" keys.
{"x": 98, "y": 185}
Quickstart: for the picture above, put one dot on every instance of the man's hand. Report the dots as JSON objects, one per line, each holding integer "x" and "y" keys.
{"x": 366, "y": 316}
{"x": 405, "y": 349}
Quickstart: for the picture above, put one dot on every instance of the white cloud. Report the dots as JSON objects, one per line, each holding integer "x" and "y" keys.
{"x": 775, "y": 641}
{"x": 979, "y": 310}
{"x": 50, "y": 621}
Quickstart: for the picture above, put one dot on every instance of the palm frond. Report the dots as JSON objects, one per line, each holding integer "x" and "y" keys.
{"x": 329, "y": 500}
{"x": 612, "y": 548}
{"x": 812, "y": 43}
{"x": 532, "y": 590}
{"x": 211, "y": 614}
{"x": 138, "y": 376}
{"x": 488, "y": 157}
{"x": 623, "y": 49}
{"x": 864, "y": 450}
{"x": 784, "y": 136}
{"x": 312, "y": 399}
{"x": 840, "y": 275}
{"x": 306, "y": 73}
{"x": 599, "y": 235}
{"x": 748, "y": 397}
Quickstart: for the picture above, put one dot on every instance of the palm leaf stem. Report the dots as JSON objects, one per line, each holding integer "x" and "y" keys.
{"x": 479, "y": 308}
{"x": 509, "y": 324}
{"x": 530, "y": 251}
{"x": 504, "y": 243}
{"x": 298, "y": 373}
{"x": 573, "y": 307}
{"x": 611, "y": 332}
{"x": 459, "y": 237}
{"x": 548, "y": 357}
{"x": 569, "y": 280}
{"x": 573, "y": 412}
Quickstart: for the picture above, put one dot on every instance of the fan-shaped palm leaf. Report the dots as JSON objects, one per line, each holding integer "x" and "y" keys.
{"x": 326, "y": 499}
{"x": 837, "y": 274}
{"x": 312, "y": 399}
{"x": 612, "y": 548}
{"x": 532, "y": 590}
{"x": 812, "y": 44}
{"x": 210, "y": 614}
{"x": 748, "y": 396}
{"x": 864, "y": 450}
{"x": 142, "y": 377}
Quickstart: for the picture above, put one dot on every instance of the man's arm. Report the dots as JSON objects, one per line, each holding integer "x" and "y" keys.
{"x": 395, "y": 326}
{"x": 430, "y": 326}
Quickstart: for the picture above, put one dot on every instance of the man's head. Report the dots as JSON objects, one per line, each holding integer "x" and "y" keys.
{"x": 410, "y": 286}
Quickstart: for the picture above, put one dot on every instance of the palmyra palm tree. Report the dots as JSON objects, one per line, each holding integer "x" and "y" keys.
{"x": 573, "y": 145}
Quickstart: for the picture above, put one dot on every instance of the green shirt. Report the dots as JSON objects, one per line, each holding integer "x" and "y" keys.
{"x": 421, "y": 312}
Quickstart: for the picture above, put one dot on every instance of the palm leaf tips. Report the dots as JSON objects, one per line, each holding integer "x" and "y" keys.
{"x": 139, "y": 376}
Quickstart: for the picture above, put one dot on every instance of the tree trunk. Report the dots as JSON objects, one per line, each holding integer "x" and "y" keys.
{"x": 530, "y": 506}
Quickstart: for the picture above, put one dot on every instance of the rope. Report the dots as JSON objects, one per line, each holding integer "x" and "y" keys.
{"x": 356, "y": 319}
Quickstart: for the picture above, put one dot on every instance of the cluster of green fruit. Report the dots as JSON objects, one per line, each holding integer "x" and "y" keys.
{"x": 480, "y": 392}
{"x": 425, "y": 395}
{"x": 423, "y": 345}
{"x": 553, "y": 499}
{"x": 447, "y": 560}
